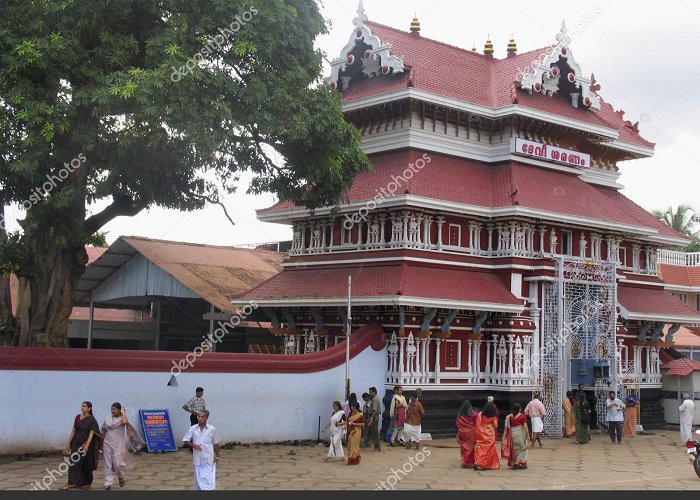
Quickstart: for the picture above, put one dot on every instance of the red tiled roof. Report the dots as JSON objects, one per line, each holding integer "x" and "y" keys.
{"x": 655, "y": 305}
{"x": 681, "y": 367}
{"x": 680, "y": 275}
{"x": 468, "y": 182}
{"x": 386, "y": 281}
{"x": 214, "y": 273}
{"x": 453, "y": 72}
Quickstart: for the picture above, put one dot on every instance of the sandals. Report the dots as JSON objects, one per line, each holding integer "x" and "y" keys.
{"x": 108, "y": 487}
{"x": 121, "y": 482}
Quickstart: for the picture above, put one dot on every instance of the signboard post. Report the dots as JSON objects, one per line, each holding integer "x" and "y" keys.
{"x": 157, "y": 430}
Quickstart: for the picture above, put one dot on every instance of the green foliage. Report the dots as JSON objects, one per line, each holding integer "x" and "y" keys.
{"x": 683, "y": 220}
{"x": 97, "y": 78}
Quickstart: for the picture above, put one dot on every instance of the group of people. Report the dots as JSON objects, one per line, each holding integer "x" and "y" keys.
{"x": 87, "y": 439}
{"x": 477, "y": 434}
{"x": 357, "y": 427}
{"x": 621, "y": 416}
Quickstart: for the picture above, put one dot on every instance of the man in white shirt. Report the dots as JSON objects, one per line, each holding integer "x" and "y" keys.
{"x": 687, "y": 412}
{"x": 615, "y": 416}
{"x": 204, "y": 440}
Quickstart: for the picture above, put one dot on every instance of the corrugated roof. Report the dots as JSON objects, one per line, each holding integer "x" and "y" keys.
{"x": 212, "y": 272}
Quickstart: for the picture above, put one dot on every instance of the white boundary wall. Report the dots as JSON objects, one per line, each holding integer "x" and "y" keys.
{"x": 39, "y": 406}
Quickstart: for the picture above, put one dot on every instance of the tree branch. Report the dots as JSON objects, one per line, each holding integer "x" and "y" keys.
{"x": 213, "y": 202}
{"x": 119, "y": 207}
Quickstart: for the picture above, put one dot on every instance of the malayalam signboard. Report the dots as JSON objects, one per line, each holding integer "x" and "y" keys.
{"x": 545, "y": 152}
{"x": 157, "y": 430}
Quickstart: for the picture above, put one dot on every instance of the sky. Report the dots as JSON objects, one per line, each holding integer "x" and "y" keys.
{"x": 644, "y": 55}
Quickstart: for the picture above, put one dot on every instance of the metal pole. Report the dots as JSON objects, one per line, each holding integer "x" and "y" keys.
{"x": 347, "y": 343}
{"x": 90, "y": 323}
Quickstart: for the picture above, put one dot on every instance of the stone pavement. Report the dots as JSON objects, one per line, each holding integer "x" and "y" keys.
{"x": 645, "y": 462}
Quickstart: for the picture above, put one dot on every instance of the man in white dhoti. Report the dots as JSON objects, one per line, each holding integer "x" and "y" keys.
{"x": 536, "y": 411}
{"x": 687, "y": 412}
{"x": 204, "y": 440}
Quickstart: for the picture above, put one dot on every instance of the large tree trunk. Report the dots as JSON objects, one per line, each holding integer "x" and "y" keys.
{"x": 54, "y": 260}
{"x": 47, "y": 290}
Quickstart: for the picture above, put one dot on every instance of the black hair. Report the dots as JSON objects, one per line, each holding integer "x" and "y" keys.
{"x": 89, "y": 405}
{"x": 352, "y": 399}
{"x": 199, "y": 389}
{"x": 466, "y": 409}
{"x": 569, "y": 394}
{"x": 117, "y": 406}
{"x": 365, "y": 395}
{"x": 489, "y": 410}
{"x": 373, "y": 389}
{"x": 517, "y": 408}
{"x": 355, "y": 405}
{"x": 340, "y": 407}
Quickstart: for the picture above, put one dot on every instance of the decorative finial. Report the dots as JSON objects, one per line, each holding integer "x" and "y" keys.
{"x": 488, "y": 47}
{"x": 359, "y": 21}
{"x": 562, "y": 37}
{"x": 415, "y": 25}
{"x": 473, "y": 47}
{"x": 512, "y": 46}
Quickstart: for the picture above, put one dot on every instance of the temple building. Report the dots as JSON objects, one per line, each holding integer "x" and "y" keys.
{"x": 491, "y": 241}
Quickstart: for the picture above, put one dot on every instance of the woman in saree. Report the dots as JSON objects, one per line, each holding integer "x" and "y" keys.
{"x": 83, "y": 449}
{"x": 335, "y": 450}
{"x": 485, "y": 454}
{"x": 582, "y": 414}
{"x": 466, "y": 433}
{"x": 516, "y": 439}
{"x": 629, "y": 428}
{"x": 354, "y": 425}
{"x": 114, "y": 447}
{"x": 569, "y": 419}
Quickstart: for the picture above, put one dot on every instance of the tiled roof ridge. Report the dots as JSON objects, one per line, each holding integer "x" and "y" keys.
{"x": 421, "y": 37}
{"x": 187, "y": 243}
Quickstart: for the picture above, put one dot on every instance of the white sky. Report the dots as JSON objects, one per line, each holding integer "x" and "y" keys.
{"x": 644, "y": 55}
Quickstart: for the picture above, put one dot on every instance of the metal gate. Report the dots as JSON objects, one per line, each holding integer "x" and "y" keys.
{"x": 579, "y": 319}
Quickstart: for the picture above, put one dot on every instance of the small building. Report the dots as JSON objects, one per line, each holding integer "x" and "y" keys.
{"x": 175, "y": 292}
{"x": 681, "y": 375}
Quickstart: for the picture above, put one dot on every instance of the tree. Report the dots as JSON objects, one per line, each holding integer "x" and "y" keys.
{"x": 143, "y": 103}
{"x": 683, "y": 220}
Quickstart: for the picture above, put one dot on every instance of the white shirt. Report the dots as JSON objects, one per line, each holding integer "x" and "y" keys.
{"x": 206, "y": 438}
{"x": 687, "y": 410}
{"x": 615, "y": 412}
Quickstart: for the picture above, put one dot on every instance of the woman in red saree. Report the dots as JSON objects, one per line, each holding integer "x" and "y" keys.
{"x": 515, "y": 439}
{"x": 485, "y": 454}
{"x": 466, "y": 433}
{"x": 355, "y": 424}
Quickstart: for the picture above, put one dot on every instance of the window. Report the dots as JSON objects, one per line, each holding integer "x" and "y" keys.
{"x": 697, "y": 301}
{"x": 567, "y": 238}
{"x": 455, "y": 235}
{"x": 683, "y": 297}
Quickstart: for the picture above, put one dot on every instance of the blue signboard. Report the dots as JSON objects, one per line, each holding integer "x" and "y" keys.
{"x": 157, "y": 430}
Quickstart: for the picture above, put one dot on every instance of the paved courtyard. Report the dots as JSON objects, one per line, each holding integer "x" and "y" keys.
{"x": 645, "y": 462}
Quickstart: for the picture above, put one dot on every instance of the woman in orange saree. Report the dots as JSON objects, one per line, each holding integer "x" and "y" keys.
{"x": 485, "y": 454}
{"x": 569, "y": 419}
{"x": 355, "y": 424}
{"x": 629, "y": 429}
{"x": 466, "y": 433}
{"x": 516, "y": 439}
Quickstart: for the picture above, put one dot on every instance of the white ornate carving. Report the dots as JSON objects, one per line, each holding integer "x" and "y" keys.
{"x": 376, "y": 60}
{"x": 546, "y": 74}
